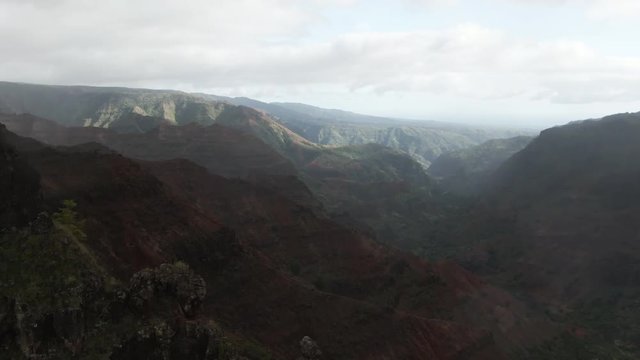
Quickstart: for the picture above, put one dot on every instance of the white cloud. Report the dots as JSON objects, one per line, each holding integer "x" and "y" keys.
{"x": 594, "y": 9}
{"x": 257, "y": 44}
{"x": 430, "y": 2}
{"x": 614, "y": 9}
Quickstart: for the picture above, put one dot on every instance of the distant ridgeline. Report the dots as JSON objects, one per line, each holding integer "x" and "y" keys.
{"x": 138, "y": 110}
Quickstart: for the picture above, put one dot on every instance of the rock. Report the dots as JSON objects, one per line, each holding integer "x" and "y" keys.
{"x": 168, "y": 280}
{"x": 309, "y": 349}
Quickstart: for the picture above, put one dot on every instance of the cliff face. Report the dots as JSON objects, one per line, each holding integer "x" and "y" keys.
{"x": 124, "y": 109}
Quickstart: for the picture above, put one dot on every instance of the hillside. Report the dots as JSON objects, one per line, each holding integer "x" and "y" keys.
{"x": 115, "y": 107}
{"x": 19, "y": 186}
{"x": 107, "y": 107}
{"x": 465, "y": 171}
{"x": 559, "y": 224}
{"x": 127, "y": 219}
{"x": 378, "y": 189}
{"x": 425, "y": 141}
{"x": 574, "y": 189}
{"x": 324, "y": 169}
{"x": 375, "y": 189}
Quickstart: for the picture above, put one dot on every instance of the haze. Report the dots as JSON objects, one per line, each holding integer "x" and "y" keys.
{"x": 514, "y": 63}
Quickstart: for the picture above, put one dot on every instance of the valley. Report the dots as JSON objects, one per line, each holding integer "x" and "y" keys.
{"x": 202, "y": 227}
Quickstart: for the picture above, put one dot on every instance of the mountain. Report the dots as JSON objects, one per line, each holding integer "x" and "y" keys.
{"x": 159, "y": 259}
{"x": 465, "y": 171}
{"x": 122, "y": 108}
{"x": 139, "y": 110}
{"x": 213, "y": 146}
{"x": 558, "y": 223}
{"x": 232, "y": 153}
{"x": 377, "y": 189}
{"x": 337, "y": 260}
{"x": 373, "y": 188}
{"x": 380, "y": 173}
{"x": 425, "y": 141}
{"x": 574, "y": 188}
{"x": 69, "y": 287}
{"x": 111, "y": 107}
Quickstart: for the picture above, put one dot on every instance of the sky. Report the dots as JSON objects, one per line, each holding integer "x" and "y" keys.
{"x": 517, "y": 63}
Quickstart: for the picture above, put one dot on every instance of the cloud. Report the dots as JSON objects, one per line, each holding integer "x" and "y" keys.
{"x": 257, "y": 44}
{"x": 614, "y": 9}
{"x": 430, "y": 3}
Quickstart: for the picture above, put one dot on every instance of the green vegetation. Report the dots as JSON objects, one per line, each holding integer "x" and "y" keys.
{"x": 35, "y": 265}
{"x": 67, "y": 221}
{"x": 63, "y": 302}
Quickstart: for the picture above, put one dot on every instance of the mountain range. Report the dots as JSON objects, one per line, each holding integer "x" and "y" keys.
{"x": 423, "y": 140}
{"x": 360, "y": 181}
{"x": 139, "y": 110}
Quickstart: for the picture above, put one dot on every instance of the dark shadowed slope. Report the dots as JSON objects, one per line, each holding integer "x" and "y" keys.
{"x": 222, "y": 150}
{"x": 19, "y": 187}
{"x": 561, "y": 225}
{"x": 340, "y": 261}
{"x": 575, "y": 190}
{"x": 65, "y": 289}
{"x": 371, "y": 186}
{"x": 466, "y": 171}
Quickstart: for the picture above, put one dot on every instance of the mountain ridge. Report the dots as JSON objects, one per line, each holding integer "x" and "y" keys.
{"x": 139, "y": 110}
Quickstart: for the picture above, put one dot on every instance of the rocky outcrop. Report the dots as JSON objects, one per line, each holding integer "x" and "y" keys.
{"x": 172, "y": 280}
{"x": 122, "y": 324}
{"x": 309, "y": 349}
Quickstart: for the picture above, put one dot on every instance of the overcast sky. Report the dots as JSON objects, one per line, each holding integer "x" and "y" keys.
{"x": 510, "y": 62}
